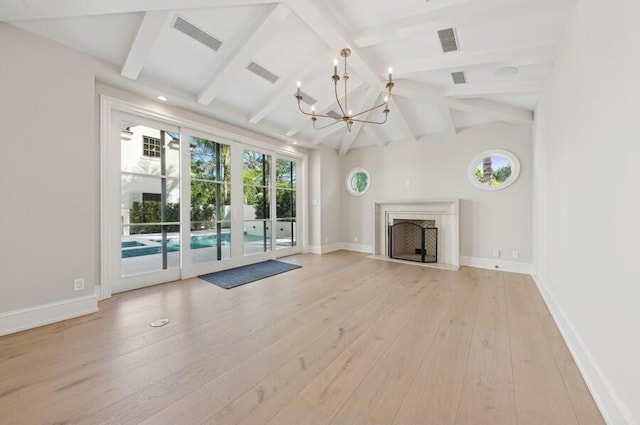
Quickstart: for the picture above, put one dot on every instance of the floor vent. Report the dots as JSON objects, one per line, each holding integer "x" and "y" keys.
{"x": 197, "y": 34}
{"x": 459, "y": 77}
{"x": 448, "y": 40}
{"x": 262, "y": 72}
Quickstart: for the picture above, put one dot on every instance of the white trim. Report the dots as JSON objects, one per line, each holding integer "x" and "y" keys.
{"x": 358, "y": 248}
{"x": 109, "y": 105}
{"x": 31, "y": 317}
{"x": 496, "y": 264}
{"x": 611, "y": 406}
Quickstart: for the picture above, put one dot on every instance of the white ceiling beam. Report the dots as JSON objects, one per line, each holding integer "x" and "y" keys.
{"x": 270, "y": 22}
{"x": 449, "y": 125}
{"x": 462, "y": 91}
{"x": 323, "y": 106}
{"x": 328, "y": 132}
{"x": 420, "y": 91}
{"x": 525, "y": 56}
{"x": 461, "y": 14}
{"x": 320, "y": 20}
{"x": 285, "y": 90}
{"x": 19, "y": 10}
{"x": 373, "y": 132}
{"x": 315, "y": 15}
{"x": 369, "y": 99}
{"x": 396, "y": 114}
{"x": 152, "y": 25}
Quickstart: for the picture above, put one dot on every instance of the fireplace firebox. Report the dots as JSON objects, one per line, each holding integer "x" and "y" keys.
{"x": 413, "y": 240}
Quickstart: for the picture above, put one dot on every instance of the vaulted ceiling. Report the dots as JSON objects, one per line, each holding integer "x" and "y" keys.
{"x": 198, "y": 53}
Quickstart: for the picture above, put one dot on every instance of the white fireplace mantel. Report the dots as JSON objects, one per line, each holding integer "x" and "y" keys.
{"x": 444, "y": 211}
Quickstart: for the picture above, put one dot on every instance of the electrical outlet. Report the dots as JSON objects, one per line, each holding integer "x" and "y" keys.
{"x": 515, "y": 254}
{"x": 326, "y": 240}
{"x": 496, "y": 253}
{"x": 78, "y": 284}
{"x": 355, "y": 239}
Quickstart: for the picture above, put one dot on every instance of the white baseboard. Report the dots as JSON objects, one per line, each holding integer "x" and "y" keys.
{"x": 358, "y": 248}
{"x": 325, "y": 249}
{"x": 490, "y": 263}
{"x": 609, "y": 402}
{"x": 31, "y": 317}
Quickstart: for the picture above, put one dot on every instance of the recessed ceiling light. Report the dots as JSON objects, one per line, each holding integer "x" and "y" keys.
{"x": 295, "y": 143}
{"x": 507, "y": 71}
{"x": 162, "y": 98}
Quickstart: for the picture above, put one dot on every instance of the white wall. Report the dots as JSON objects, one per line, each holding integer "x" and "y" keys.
{"x": 437, "y": 169}
{"x": 587, "y": 196}
{"x": 49, "y": 164}
{"x": 50, "y": 185}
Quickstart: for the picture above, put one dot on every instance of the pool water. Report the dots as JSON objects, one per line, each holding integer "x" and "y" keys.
{"x": 137, "y": 249}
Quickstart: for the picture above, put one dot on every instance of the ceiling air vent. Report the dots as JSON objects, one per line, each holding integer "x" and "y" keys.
{"x": 448, "y": 40}
{"x": 197, "y": 34}
{"x": 459, "y": 77}
{"x": 334, "y": 114}
{"x": 262, "y": 72}
{"x": 306, "y": 98}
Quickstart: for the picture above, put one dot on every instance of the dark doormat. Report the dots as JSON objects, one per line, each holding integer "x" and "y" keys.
{"x": 231, "y": 278}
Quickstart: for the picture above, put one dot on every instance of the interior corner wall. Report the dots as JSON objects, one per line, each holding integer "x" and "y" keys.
{"x": 331, "y": 200}
{"x": 50, "y": 173}
{"x": 586, "y": 200}
{"x": 437, "y": 169}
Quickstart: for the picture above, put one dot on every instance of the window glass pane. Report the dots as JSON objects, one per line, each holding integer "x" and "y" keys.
{"x": 493, "y": 170}
{"x": 257, "y": 237}
{"x": 142, "y": 199}
{"x": 210, "y": 160}
{"x": 146, "y": 150}
{"x": 286, "y": 233}
{"x": 204, "y": 243}
{"x": 210, "y": 201}
{"x": 285, "y": 203}
{"x": 142, "y": 248}
{"x": 257, "y": 168}
{"x": 285, "y": 173}
{"x": 257, "y": 203}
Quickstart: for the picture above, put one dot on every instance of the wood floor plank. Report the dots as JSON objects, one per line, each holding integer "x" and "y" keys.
{"x": 379, "y": 395}
{"x": 343, "y": 340}
{"x": 540, "y": 393}
{"x": 488, "y": 394}
{"x": 271, "y": 394}
{"x": 581, "y": 399}
{"x": 434, "y": 394}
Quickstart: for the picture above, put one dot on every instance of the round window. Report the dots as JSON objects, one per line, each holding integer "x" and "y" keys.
{"x": 358, "y": 181}
{"x": 494, "y": 170}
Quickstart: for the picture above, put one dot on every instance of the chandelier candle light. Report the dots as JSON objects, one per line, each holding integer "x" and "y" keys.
{"x": 347, "y": 117}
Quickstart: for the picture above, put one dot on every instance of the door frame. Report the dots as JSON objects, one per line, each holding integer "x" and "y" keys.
{"x": 110, "y": 193}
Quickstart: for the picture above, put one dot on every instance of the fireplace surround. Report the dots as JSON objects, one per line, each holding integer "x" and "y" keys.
{"x": 442, "y": 214}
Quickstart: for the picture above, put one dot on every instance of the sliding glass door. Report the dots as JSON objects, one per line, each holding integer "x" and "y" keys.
{"x": 256, "y": 174}
{"x": 183, "y": 203}
{"x": 149, "y": 225}
{"x": 286, "y": 205}
{"x": 210, "y": 207}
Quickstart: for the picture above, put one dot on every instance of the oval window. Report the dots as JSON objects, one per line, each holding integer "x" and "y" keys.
{"x": 494, "y": 170}
{"x": 357, "y": 181}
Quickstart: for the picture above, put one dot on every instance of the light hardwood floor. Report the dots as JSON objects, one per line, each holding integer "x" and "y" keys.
{"x": 344, "y": 340}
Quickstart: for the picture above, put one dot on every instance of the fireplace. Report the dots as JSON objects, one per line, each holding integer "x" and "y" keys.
{"x": 441, "y": 246}
{"x": 413, "y": 240}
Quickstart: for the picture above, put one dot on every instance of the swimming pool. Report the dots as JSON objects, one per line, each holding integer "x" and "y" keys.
{"x": 154, "y": 245}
